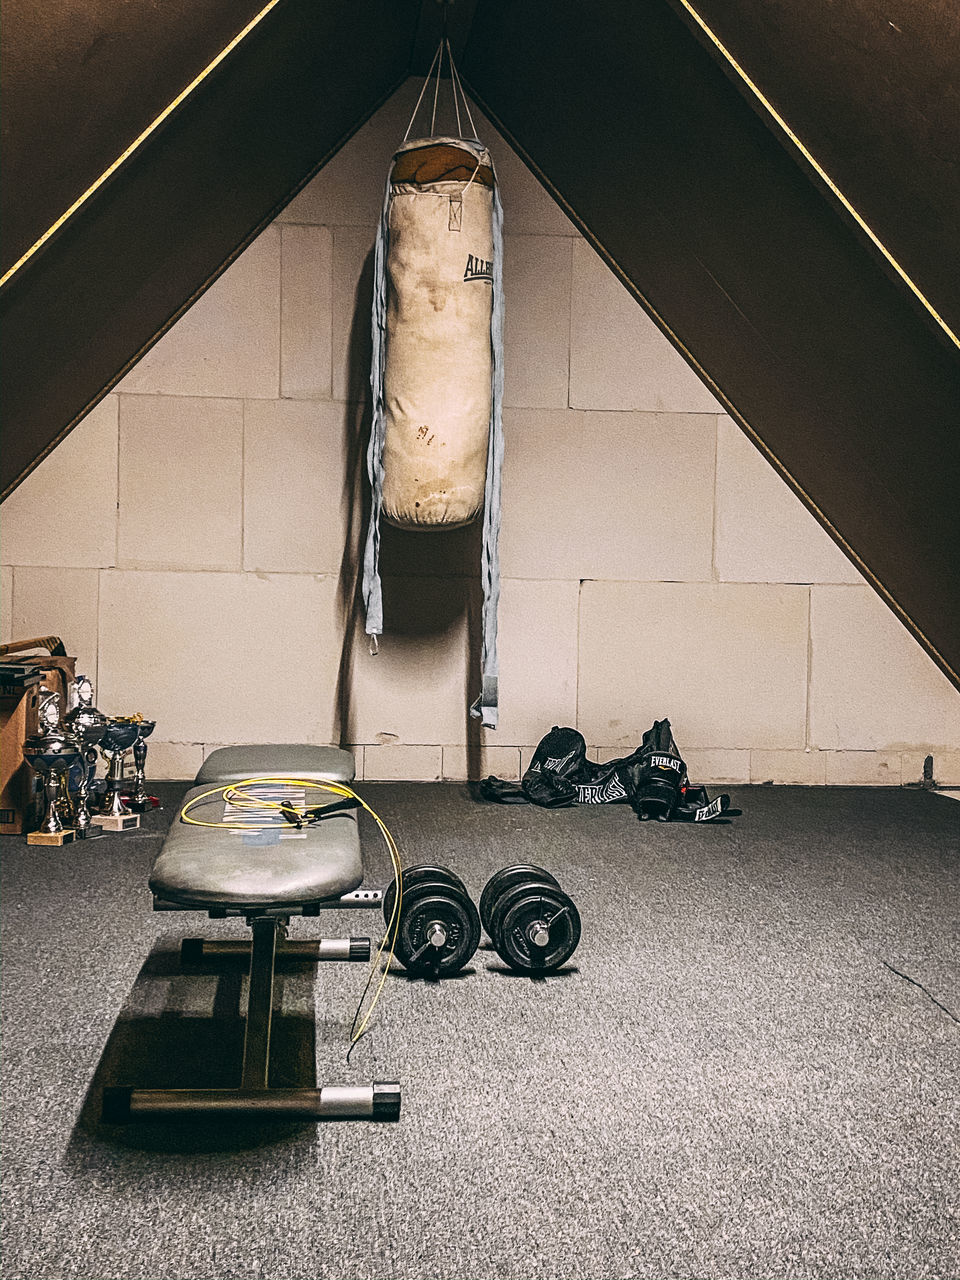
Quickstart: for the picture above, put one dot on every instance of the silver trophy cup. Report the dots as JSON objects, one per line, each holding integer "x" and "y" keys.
{"x": 52, "y": 752}
{"x": 89, "y": 725}
{"x": 119, "y": 736}
{"x": 140, "y": 800}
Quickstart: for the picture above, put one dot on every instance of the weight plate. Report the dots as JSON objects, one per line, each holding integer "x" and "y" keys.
{"x": 506, "y": 898}
{"x": 522, "y": 873}
{"x": 518, "y": 928}
{"x": 439, "y": 886}
{"x": 428, "y": 906}
{"x": 420, "y": 874}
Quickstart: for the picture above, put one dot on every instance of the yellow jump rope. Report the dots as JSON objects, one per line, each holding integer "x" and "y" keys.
{"x": 240, "y": 796}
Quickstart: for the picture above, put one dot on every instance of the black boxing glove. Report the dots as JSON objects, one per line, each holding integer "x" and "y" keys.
{"x": 659, "y": 776}
{"x": 557, "y": 765}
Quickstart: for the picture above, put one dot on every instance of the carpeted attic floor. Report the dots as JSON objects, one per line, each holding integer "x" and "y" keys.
{"x": 750, "y": 1068}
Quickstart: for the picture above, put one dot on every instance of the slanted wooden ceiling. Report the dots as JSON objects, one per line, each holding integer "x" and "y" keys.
{"x": 819, "y": 300}
{"x": 125, "y": 266}
{"x": 80, "y": 80}
{"x": 873, "y": 91}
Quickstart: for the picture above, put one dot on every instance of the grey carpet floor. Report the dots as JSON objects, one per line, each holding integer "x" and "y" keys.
{"x": 749, "y": 1069}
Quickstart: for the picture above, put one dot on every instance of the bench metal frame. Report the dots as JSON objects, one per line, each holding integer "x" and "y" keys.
{"x": 254, "y": 1096}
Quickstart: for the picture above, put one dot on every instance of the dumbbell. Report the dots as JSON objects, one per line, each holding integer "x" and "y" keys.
{"x": 439, "y": 928}
{"x": 533, "y": 924}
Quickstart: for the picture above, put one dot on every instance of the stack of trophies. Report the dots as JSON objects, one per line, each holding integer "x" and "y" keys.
{"x": 64, "y": 753}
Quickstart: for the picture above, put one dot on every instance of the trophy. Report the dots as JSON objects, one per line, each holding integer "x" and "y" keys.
{"x": 52, "y": 752}
{"x": 89, "y": 725}
{"x": 139, "y": 800}
{"x": 119, "y": 736}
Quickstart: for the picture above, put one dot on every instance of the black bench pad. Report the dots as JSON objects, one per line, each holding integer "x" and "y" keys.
{"x": 277, "y": 759}
{"x": 273, "y": 866}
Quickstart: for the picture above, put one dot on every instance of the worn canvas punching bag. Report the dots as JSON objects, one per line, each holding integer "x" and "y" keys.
{"x": 439, "y": 360}
{"x": 436, "y": 438}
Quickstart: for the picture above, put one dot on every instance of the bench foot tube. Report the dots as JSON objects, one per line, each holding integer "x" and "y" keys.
{"x": 379, "y": 1101}
{"x": 194, "y": 950}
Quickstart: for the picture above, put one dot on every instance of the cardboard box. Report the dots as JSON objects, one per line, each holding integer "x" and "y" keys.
{"x": 56, "y": 674}
{"x": 21, "y": 802}
{"x": 19, "y": 809}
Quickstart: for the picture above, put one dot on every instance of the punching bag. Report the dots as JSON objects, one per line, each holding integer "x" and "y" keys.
{"x": 436, "y": 439}
{"x": 438, "y": 372}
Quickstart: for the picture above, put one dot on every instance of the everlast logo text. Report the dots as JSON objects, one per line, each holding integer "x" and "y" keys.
{"x": 478, "y": 269}
{"x": 666, "y": 762}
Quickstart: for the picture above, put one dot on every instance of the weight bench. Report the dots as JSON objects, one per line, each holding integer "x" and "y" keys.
{"x": 265, "y": 873}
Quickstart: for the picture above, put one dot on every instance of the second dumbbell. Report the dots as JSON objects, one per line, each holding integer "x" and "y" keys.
{"x": 439, "y": 928}
{"x": 533, "y": 924}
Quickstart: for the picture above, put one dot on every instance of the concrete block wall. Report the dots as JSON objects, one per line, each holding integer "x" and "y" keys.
{"x": 653, "y": 563}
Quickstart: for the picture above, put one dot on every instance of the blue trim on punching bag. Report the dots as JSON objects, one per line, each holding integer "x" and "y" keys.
{"x": 372, "y": 589}
{"x": 486, "y": 706}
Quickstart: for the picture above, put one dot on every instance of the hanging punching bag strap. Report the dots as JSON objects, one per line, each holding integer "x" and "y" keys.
{"x": 372, "y": 590}
{"x": 486, "y": 706}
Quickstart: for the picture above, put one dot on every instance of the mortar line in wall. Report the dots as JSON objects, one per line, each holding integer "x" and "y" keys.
{"x": 345, "y": 226}
{"x": 243, "y": 484}
{"x": 716, "y": 499}
{"x": 576, "y": 704}
{"x": 595, "y": 577}
{"x": 372, "y": 226}
{"x": 436, "y": 577}
{"x": 806, "y": 731}
{"x": 329, "y": 325}
{"x": 13, "y": 595}
{"x": 223, "y": 396}
{"x": 570, "y": 326}
{"x": 116, "y": 514}
{"x": 169, "y": 568}
{"x": 280, "y": 322}
{"x": 96, "y": 664}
